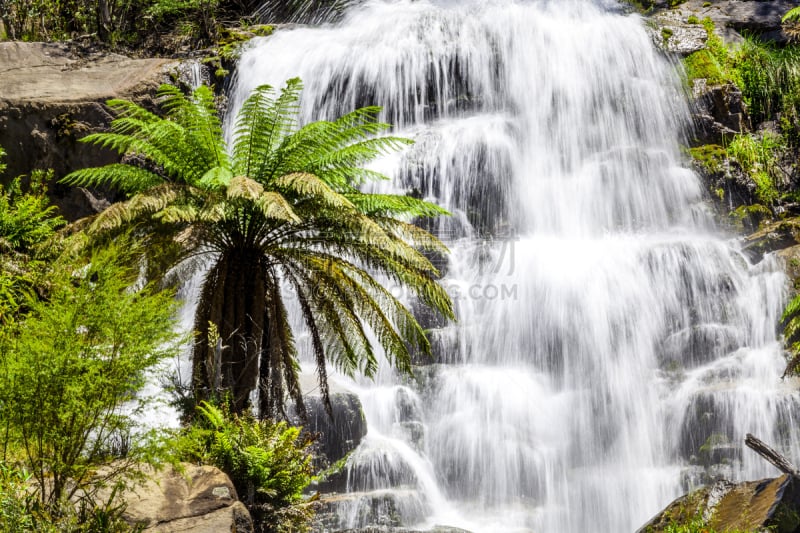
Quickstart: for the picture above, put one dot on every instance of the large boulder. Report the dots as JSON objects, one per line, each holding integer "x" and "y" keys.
{"x": 339, "y": 432}
{"x": 732, "y": 19}
{"x": 765, "y": 505}
{"x": 200, "y": 499}
{"x": 363, "y": 512}
{"x": 52, "y": 94}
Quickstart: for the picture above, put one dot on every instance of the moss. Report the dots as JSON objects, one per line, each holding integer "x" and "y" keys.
{"x": 710, "y": 156}
{"x": 748, "y": 217}
{"x": 714, "y": 440}
{"x": 666, "y": 33}
{"x": 703, "y": 65}
{"x": 693, "y": 19}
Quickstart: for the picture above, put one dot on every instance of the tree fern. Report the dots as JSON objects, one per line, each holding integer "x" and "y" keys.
{"x": 281, "y": 211}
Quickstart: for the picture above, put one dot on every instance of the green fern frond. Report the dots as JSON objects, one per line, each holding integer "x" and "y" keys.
{"x": 124, "y": 177}
{"x": 262, "y": 124}
{"x": 793, "y": 309}
{"x": 388, "y": 205}
{"x": 212, "y": 415}
{"x": 791, "y": 15}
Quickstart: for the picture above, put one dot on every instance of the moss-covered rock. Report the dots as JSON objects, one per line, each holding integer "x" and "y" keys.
{"x": 765, "y": 505}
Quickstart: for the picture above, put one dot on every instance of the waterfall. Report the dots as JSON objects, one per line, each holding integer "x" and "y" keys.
{"x": 613, "y": 347}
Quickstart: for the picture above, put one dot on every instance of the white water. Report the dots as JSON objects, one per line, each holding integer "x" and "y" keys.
{"x": 607, "y": 330}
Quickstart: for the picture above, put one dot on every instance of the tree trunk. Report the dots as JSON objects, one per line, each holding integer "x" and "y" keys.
{"x": 777, "y": 460}
{"x": 104, "y": 22}
{"x": 233, "y": 299}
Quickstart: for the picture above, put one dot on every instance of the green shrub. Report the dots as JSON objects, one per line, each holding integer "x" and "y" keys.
{"x": 27, "y": 230}
{"x": 16, "y": 499}
{"x": 22, "y": 512}
{"x": 268, "y": 462}
{"x": 70, "y": 371}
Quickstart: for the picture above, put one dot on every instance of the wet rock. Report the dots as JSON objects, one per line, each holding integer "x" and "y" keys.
{"x": 768, "y": 504}
{"x": 435, "y": 529}
{"x": 784, "y": 234}
{"x": 698, "y": 345}
{"x": 340, "y": 434}
{"x": 791, "y": 265}
{"x": 728, "y": 185}
{"x": 705, "y": 423}
{"x": 363, "y": 511}
{"x": 719, "y": 113}
{"x": 671, "y": 32}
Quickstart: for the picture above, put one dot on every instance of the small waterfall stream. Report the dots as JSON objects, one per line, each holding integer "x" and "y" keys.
{"x": 613, "y": 347}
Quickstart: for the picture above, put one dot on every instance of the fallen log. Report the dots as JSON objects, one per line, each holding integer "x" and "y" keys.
{"x": 777, "y": 460}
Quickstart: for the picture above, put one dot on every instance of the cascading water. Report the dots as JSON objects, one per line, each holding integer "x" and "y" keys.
{"x": 612, "y": 347}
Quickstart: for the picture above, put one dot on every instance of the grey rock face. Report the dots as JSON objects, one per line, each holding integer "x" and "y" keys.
{"x": 51, "y": 96}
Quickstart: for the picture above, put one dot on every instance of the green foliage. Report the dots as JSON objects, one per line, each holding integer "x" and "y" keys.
{"x": 791, "y": 15}
{"x": 26, "y": 217}
{"x": 27, "y": 231}
{"x": 268, "y": 462}
{"x": 70, "y": 372}
{"x": 790, "y": 320}
{"x": 282, "y": 211}
{"x": 16, "y": 500}
{"x": 692, "y": 19}
{"x": 117, "y": 22}
{"x": 748, "y": 217}
{"x": 713, "y": 63}
{"x": 696, "y": 525}
{"x": 197, "y": 17}
{"x": 22, "y": 512}
{"x": 770, "y": 82}
{"x": 759, "y": 156}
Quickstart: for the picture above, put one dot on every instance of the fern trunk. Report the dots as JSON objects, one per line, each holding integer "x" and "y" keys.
{"x": 233, "y": 298}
